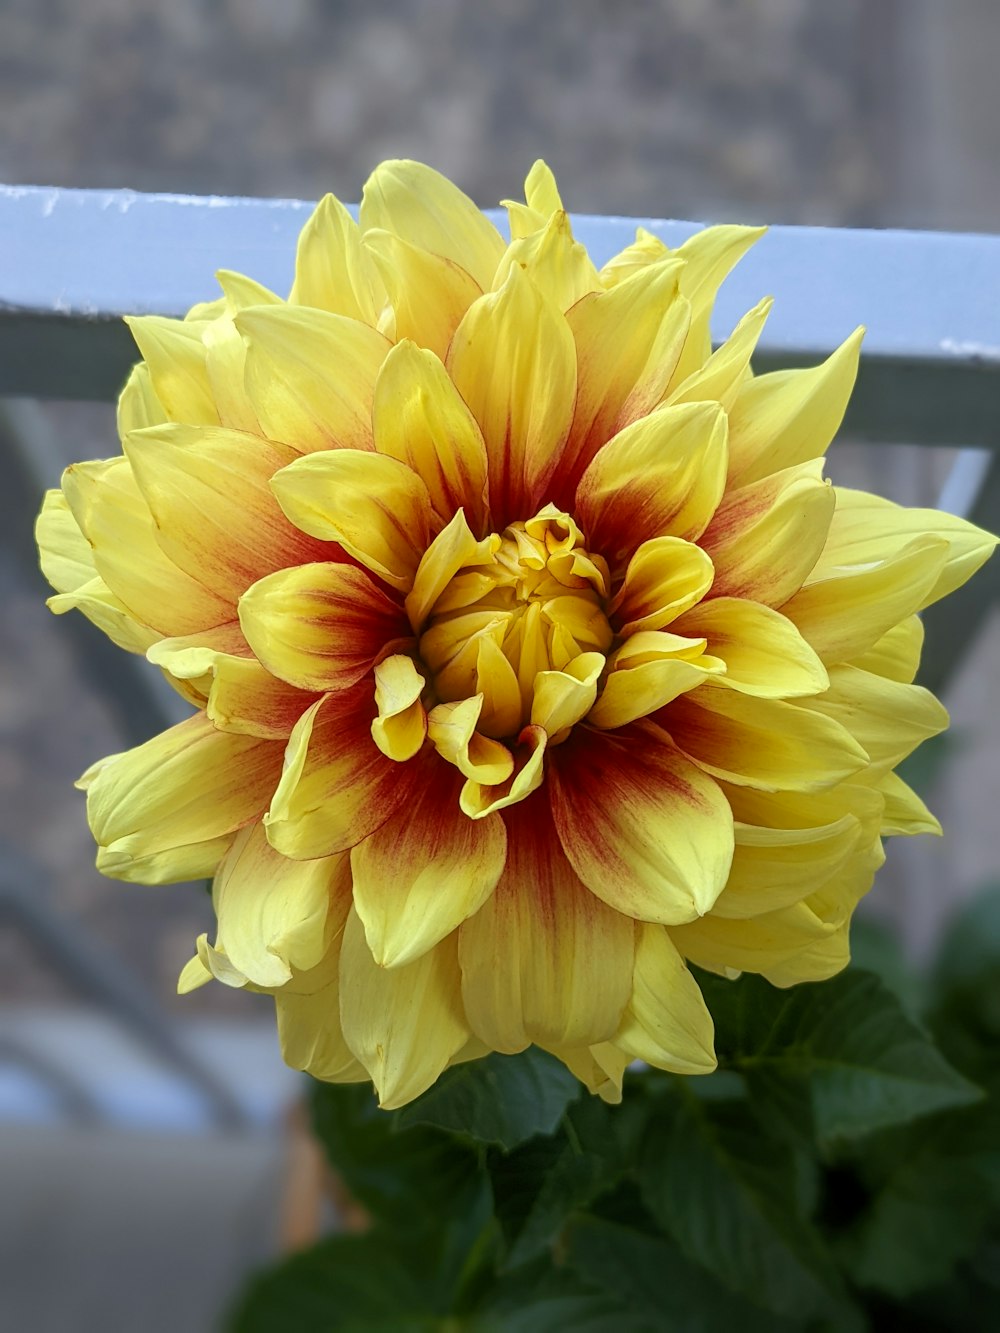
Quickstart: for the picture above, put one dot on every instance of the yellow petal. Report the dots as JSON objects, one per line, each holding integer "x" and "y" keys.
{"x": 650, "y": 670}
{"x": 896, "y": 655}
{"x": 428, "y": 293}
{"x": 240, "y": 694}
{"x": 514, "y": 362}
{"x": 889, "y": 719}
{"x": 226, "y": 351}
{"x": 194, "y": 974}
{"x": 662, "y": 476}
{"x": 554, "y": 261}
{"x": 426, "y": 209}
{"x": 374, "y": 506}
{"x": 308, "y": 1009}
{"x": 644, "y": 829}
{"x": 783, "y": 810}
{"x": 421, "y": 420}
{"x": 665, "y": 577}
{"x": 208, "y": 492}
{"x": 600, "y": 1068}
{"x": 309, "y": 1028}
{"x": 761, "y": 944}
{"x": 103, "y": 609}
{"x": 628, "y": 341}
{"x": 116, "y": 521}
{"x": 775, "y": 868}
{"x": 763, "y": 743}
{"x": 311, "y": 376}
{"x": 719, "y": 379}
{"x": 65, "y": 555}
{"x": 189, "y": 786}
{"x": 480, "y": 800}
{"x": 867, "y": 528}
{"x": 497, "y": 682}
{"x": 168, "y": 865}
{"x": 241, "y": 292}
{"x": 337, "y": 786}
{"x": 452, "y": 730}
{"x": 138, "y": 405}
{"x": 215, "y": 962}
{"x": 821, "y": 959}
{"x": 765, "y": 538}
{"x": 225, "y": 361}
{"x": 427, "y": 869}
{"x": 847, "y": 609}
{"x": 175, "y": 354}
{"x": 244, "y": 697}
{"x": 790, "y": 416}
{"x": 401, "y": 724}
{"x": 452, "y": 549}
{"x": 905, "y": 812}
{"x": 763, "y": 652}
{"x": 666, "y": 1022}
{"x": 403, "y": 1023}
{"x": 709, "y": 256}
{"x": 645, "y": 250}
{"x": 274, "y": 914}
{"x": 562, "y": 698}
{"x": 332, "y": 270}
{"x": 566, "y": 958}
{"x": 541, "y": 200}
{"x": 321, "y": 626}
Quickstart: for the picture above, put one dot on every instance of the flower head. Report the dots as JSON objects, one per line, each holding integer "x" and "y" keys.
{"x": 532, "y": 656}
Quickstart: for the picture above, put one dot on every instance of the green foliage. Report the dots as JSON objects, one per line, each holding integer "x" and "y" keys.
{"x": 501, "y": 1099}
{"x": 727, "y": 1192}
{"x": 840, "y": 1172}
{"x": 651, "y": 1276}
{"x": 865, "y": 1063}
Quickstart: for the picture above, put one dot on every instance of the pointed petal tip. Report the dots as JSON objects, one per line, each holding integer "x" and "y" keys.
{"x": 194, "y": 974}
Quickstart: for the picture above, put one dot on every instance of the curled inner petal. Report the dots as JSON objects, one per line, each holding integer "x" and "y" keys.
{"x": 531, "y": 609}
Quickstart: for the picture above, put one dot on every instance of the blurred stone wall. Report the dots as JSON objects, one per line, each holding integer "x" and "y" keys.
{"x": 680, "y": 108}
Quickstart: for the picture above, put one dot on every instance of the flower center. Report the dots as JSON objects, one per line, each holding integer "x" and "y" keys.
{"x": 538, "y": 606}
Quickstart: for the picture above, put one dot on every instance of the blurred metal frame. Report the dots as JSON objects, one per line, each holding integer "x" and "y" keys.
{"x": 72, "y": 262}
{"x": 84, "y": 964}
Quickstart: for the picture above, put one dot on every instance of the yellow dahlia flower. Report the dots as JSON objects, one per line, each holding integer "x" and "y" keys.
{"x": 532, "y": 656}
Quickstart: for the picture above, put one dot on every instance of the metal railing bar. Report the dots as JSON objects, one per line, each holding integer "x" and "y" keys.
{"x": 964, "y": 482}
{"x": 971, "y": 491}
{"x": 72, "y": 262}
{"x": 74, "y": 1099}
{"x": 83, "y": 963}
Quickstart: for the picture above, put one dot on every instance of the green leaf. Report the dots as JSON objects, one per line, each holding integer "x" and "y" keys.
{"x": 965, "y": 1015}
{"x": 517, "y": 1178}
{"x": 933, "y": 1204}
{"x": 729, "y": 1196}
{"x": 652, "y": 1276}
{"x": 867, "y": 1063}
{"x": 398, "y": 1277}
{"x": 970, "y": 950}
{"x": 540, "y": 1299}
{"x": 349, "y": 1284}
{"x": 502, "y": 1099}
{"x": 407, "y": 1177}
{"x": 575, "y": 1180}
{"x": 537, "y": 1185}
{"x": 875, "y": 948}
